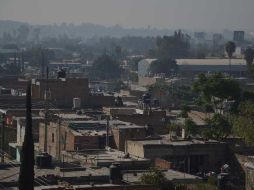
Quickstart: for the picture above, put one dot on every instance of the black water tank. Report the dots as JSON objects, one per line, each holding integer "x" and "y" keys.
{"x": 44, "y": 160}
{"x": 115, "y": 173}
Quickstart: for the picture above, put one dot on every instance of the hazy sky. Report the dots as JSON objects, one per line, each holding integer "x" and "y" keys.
{"x": 188, "y": 14}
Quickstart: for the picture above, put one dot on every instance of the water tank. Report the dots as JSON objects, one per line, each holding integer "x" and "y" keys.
{"x": 115, "y": 173}
{"x": 43, "y": 160}
{"x": 76, "y": 103}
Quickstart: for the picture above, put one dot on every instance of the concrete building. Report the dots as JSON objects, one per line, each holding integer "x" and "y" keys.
{"x": 200, "y": 35}
{"x": 104, "y": 158}
{"x": 13, "y": 83}
{"x": 239, "y": 36}
{"x": 115, "y": 111}
{"x": 147, "y": 81}
{"x": 191, "y": 67}
{"x": 100, "y": 100}
{"x": 65, "y": 64}
{"x": 87, "y": 134}
{"x": 154, "y": 120}
{"x": 122, "y": 133}
{"x": 217, "y": 39}
{"x": 15, "y": 147}
{"x": 61, "y": 91}
{"x": 71, "y": 176}
{"x": 143, "y": 67}
{"x": 174, "y": 177}
{"x": 72, "y": 136}
{"x": 187, "y": 156}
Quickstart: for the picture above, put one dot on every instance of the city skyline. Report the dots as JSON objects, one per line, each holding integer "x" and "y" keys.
{"x": 206, "y": 15}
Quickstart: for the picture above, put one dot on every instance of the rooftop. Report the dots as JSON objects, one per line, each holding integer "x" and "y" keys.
{"x": 197, "y": 116}
{"x": 170, "y": 175}
{"x": 103, "y": 156}
{"x": 210, "y": 62}
{"x": 65, "y": 63}
{"x": 165, "y": 140}
{"x": 94, "y": 128}
{"x": 73, "y": 116}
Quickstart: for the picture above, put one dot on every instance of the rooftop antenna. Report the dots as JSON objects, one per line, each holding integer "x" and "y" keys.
{"x": 46, "y": 114}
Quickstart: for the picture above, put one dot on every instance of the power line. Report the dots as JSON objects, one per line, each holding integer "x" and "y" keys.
{"x": 12, "y": 165}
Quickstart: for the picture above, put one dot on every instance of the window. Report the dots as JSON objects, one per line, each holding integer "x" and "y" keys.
{"x": 53, "y": 137}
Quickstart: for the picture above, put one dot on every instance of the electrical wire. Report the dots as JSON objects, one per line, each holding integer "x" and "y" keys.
{"x": 12, "y": 165}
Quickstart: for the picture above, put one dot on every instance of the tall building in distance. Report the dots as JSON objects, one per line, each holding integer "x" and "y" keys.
{"x": 239, "y": 36}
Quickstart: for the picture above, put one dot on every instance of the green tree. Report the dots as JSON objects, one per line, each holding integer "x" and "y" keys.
{"x": 176, "y": 46}
{"x": 182, "y": 94}
{"x": 105, "y": 68}
{"x": 215, "y": 89}
{"x": 185, "y": 109}
{"x": 243, "y": 122}
{"x": 166, "y": 65}
{"x": 249, "y": 56}
{"x": 190, "y": 127}
{"x": 153, "y": 177}
{"x": 119, "y": 85}
{"x": 173, "y": 127}
{"x": 218, "y": 127}
{"x": 134, "y": 63}
{"x": 230, "y": 49}
{"x": 201, "y": 51}
{"x": 26, "y": 174}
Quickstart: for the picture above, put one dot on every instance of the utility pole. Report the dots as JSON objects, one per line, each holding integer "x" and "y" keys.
{"x": 22, "y": 61}
{"x": 42, "y": 64}
{"x": 3, "y": 137}
{"x": 46, "y": 115}
{"x": 107, "y": 133}
{"x": 59, "y": 138}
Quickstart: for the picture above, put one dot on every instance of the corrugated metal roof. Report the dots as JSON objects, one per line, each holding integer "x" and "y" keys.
{"x": 210, "y": 62}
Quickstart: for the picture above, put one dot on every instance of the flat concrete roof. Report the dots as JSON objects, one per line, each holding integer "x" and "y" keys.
{"x": 73, "y": 116}
{"x": 198, "y": 117}
{"x": 103, "y": 155}
{"x": 166, "y": 141}
{"x": 11, "y": 172}
{"x": 170, "y": 175}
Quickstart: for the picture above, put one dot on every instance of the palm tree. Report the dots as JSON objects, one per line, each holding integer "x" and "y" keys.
{"x": 249, "y": 56}
{"x": 230, "y": 49}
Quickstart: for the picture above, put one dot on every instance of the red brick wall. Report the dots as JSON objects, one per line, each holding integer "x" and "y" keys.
{"x": 162, "y": 164}
{"x": 63, "y": 92}
{"x": 154, "y": 120}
